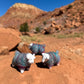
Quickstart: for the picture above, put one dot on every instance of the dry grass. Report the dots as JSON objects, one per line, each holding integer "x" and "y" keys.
{"x": 28, "y": 39}
{"x": 40, "y": 38}
{"x": 80, "y": 35}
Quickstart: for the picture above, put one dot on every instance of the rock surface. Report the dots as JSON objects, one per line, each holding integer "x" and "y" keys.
{"x": 9, "y": 38}
{"x": 19, "y": 13}
{"x": 4, "y": 50}
{"x": 23, "y": 47}
{"x": 67, "y": 17}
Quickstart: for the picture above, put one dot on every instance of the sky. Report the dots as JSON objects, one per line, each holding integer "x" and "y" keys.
{"x": 46, "y": 5}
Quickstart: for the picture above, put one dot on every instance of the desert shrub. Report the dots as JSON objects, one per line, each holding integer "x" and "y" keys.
{"x": 82, "y": 21}
{"x": 24, "y": 27}
{"x": 44, "y": 22}
{"x": 31, "y": 22}
{"x": 37, "y": 29}
{"x": 73, "y": 14}
{"x": 58, "y": 31}
{"x": 70, "y": 6}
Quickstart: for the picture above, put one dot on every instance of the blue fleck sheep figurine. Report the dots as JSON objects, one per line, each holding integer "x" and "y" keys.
{"x": 37, "y": 48}
{"x": 50, "y": 59}
{"x": 23, "y": 60}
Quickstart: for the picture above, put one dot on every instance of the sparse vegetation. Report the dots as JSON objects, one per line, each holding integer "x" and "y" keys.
{"x": 31, "y": 39}
{"x": 58, "y": 31}
{"x": 54, "y": 35}
{"x": 39, "y": 40}
{"x": 24, "y": 27}
{"x": 70, "y": 35}
{"x": 73, "y": 14}
{"x": 38, "y": 29}
{"x": 82, "y": 21}
{"x": 39, "y": 37}
{"x": 69, "y": 6}
{"x": 44, "y": 22}
{"x": 31, "y": 22}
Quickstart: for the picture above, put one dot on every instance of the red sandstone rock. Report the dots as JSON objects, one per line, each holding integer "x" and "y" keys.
{"x": 69, "y": 16}
{"x": 9, "y": 38}
{"x": 4, "y": 50}
{"x": 23, "y": 47}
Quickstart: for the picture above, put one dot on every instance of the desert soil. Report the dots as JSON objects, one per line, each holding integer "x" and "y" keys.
{"x": 70, "y": 70}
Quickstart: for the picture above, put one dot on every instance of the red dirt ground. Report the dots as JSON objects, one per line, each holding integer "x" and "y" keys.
{"x": 70, "y": 70}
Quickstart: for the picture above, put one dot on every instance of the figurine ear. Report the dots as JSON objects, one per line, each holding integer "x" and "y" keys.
{"x": 31, "y": 44}
{"x": 33, "y": 54}
{"x": 57, "y": 52}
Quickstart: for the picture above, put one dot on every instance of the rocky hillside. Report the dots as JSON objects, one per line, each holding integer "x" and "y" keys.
{"x": 66, "y": 17}
{"x": 18, "y": 14}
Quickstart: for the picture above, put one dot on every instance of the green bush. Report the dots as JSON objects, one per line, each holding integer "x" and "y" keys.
{"x": 44, "y": 22}
{"x": 70, "y": 6}
{"x": 37, "y": 29}
{"x": 31, "y": 22}
{"x": 24, "y": 27}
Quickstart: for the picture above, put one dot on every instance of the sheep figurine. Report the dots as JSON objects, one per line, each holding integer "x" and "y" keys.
{"x": 23, "y": 61}
{"x": 50, "y": 59}
{"x": 37, "y": 48}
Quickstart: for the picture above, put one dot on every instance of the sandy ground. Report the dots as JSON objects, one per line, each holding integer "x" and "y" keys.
{"x": 70, "y": 70}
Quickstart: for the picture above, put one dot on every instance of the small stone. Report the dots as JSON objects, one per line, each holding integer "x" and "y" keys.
{"x": 4, "y": 50}
{"x": 78, "y": 51}
{"x": 23, "y": 47}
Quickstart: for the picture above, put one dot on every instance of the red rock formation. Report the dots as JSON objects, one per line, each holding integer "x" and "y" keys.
{"x": 18, "y": 14}
{"x": 66, "y": 17}
{"x": 4, "y": 50}
{"x": 23, "y": 47}
{"x": 9, "y": 38}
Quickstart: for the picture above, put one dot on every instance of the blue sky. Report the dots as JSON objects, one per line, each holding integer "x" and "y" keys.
{"x": 46, "y": 5}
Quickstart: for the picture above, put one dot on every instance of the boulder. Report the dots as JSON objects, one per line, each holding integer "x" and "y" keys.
{"x": 4, "y": 50}
{"x": 53, "y": 25}
{"x": 9, "y": 37}
{"x": 48, "y": 30}
{"x": 23, "y": 47}
{"x": 58, "y": 27}
{"x": 52, "y": 29}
